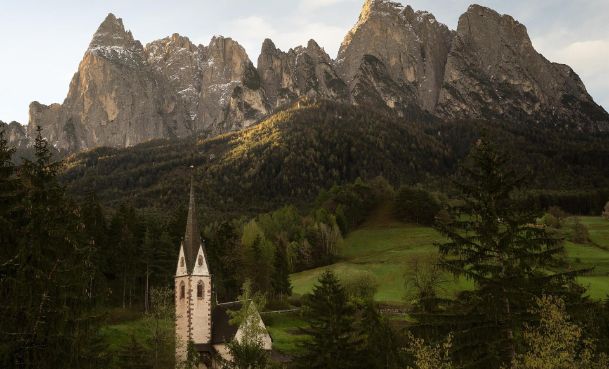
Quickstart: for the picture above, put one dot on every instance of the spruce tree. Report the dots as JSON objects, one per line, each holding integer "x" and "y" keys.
{"x": 9, "y": 207}
{"x": 383, "y": 346}
{"x": 334, "y": 341}
{"x": 134, "y": 356}
{"x": 96, "y": 231}
{"x": 281, "y": 273}
{"x": 43, "y": 290}
{"x": 492, "y": 240}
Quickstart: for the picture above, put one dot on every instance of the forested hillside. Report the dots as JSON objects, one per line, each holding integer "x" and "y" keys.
{"x": 291, "y": 156}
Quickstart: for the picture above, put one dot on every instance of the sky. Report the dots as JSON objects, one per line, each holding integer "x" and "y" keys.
{"x": 42, "y": 42}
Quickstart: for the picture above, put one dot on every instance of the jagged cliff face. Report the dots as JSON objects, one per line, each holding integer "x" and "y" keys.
{"x": 114, "y": 99}
{"x": 303, "y": 71}
{"x": 394, "y": 58}
{"x": 232, "y": 97}
{"x": 493, "y": 72}
{"x": 15, "y": 134}
{"x": 413, "y": 47}
{"x": 124, "y": 94}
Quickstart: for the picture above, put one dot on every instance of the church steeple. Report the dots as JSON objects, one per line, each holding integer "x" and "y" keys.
{"x": 192, "y": 237}
{"x": 193, "y": 287}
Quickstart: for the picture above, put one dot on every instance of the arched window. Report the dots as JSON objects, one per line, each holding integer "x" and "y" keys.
{"x": 182, "y": 262}
{"x": 182, "y": 290}
{"x": 200, "y": 261}
{"x": 200, "y": 290}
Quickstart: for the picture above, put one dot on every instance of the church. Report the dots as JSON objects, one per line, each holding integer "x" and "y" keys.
{"x": 200, "y": 319}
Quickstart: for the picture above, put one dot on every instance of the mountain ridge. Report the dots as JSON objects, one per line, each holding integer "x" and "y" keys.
{"x": 394, "y": 58}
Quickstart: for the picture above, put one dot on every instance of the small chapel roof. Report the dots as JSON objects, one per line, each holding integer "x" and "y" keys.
{"x": 222, "y": 330}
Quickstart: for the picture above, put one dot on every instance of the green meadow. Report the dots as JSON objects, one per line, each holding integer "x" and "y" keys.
{"x": 387, "y": 249}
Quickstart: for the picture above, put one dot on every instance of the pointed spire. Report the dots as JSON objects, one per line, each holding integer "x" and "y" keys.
{"x": 192, "y": 237}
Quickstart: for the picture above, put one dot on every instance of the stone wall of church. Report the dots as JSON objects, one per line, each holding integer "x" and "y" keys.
{"x": 182, "y": 284}
{"x": 201, "y": 309}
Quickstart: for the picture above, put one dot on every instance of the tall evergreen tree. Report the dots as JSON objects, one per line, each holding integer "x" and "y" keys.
{"x": 281, "y": 273}
{"x": 9, "y": 207}
{"x": 222, "y": 246}
{"x": 493, "y": 241}
{"x": 334, "y": 340}
{"x": 134, "y": 356}
{"x": 383, "y": 346}
{"x": 43, "y": 293}
{"x": 96, "y": 231}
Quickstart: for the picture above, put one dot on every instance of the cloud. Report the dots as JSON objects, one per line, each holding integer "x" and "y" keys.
{"x": 311, "y": 5}
{"x": 251, "y": 31}
{"x": 590, "y": 56}
{"x": 589, "y": 59}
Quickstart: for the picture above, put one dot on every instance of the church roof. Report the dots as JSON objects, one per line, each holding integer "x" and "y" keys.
{"x": 222, "y": 330}
{"x": 192, "y": 236}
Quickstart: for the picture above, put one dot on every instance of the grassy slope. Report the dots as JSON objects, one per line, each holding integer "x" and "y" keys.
{"x": 386, "y": 248}
{"x": 594, "y": 255}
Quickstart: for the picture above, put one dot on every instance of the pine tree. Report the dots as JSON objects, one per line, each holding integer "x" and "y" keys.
{"x": 222, "y": 242}
{"x": 334, "y": 340}
{"x": 96, "y": 231}
{"x": 43, "y": 293}
{"x": 9, "y": 207}
{"x": 134, "y": 356}
{"x": 147, "y": 258}
{"x": 11, "y": 215}
{"x": 493, "y": 241}
{"x": 382, "y": 346}
{"x": 281, "y": 273}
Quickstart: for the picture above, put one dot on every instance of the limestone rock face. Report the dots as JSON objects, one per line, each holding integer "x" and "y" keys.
{"x": 493, "y": 72}
{"x": 413, "y": 46}
{"x": 394, "y": 58}
{"x": 373, "y": 86}
{"x": 302, "y": 71}
{"x": 217, "y": 83}
{"x": 15, "y": 134}
{"x": 114, "y": 99}
{"x": 178, "y": 61}
{"x": 232, "y": 96}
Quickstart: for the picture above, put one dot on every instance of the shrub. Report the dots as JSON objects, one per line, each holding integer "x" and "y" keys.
{"x": 361, "y": 285}
{"x": 558, "y": 213}
{"x": 579, "y": 232}
{"x": 416, "y": 205}
{"x": 551, "y": 221}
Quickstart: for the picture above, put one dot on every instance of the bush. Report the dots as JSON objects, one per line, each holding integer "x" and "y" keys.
{"x": 416, "y": 205}
{"x": 551, "y": 221}
{"x": 361, "y": 285}
{"x": 579, "y": 232}
{"x": 559, "y": 214}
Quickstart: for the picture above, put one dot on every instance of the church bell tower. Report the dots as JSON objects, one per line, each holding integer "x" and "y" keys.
{"x": 193, "y": 289}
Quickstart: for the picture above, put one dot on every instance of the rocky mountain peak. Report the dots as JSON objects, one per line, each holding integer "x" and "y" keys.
{"x": 394, "y": 57}
{"x": 268, "y": 46}
{"x": 494, "y": 72}
{"x": 413, "y": 46}
{"x": 301, "y": 71}
{"x": 111, "y": 32}
{"x": 111, "y": 41}
{"x": 14, "y": 133}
